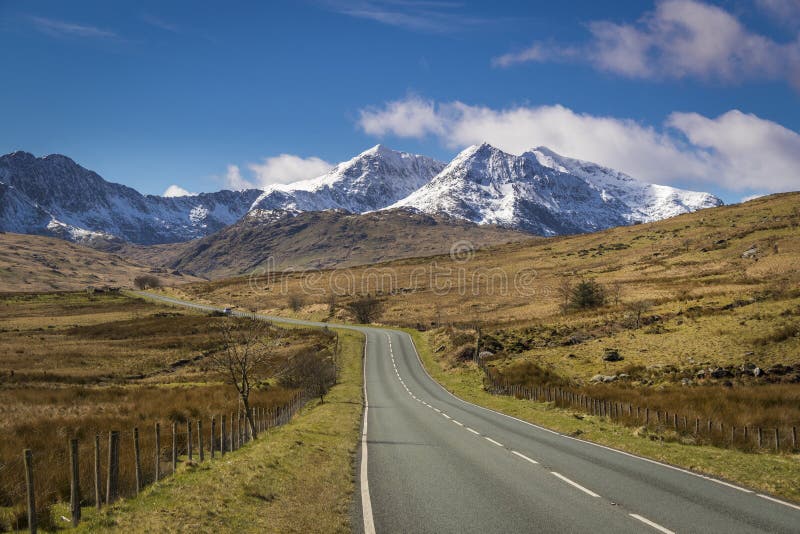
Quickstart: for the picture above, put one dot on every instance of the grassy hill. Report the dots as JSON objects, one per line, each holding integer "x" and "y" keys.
{"x": 702, "y": 299}
{"x": 317, "y": 240}
{"x": 37, "y": 263}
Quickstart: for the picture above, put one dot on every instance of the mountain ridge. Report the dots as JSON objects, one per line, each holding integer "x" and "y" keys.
{"x": 539, "y": 192}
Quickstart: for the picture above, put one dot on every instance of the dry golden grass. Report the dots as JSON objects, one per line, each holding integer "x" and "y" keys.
{"x": 90, "y": 364}
{"x": 297, "y": 478}
{"x": 39, "y": 263}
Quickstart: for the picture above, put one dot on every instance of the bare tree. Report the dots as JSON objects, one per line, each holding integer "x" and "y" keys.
{"x": 245, "y": 354}
{"x": 638, "y": 308}
{"x": 312, "y": 370}
{"x": 146, "y": 281}
{"x": 366, "y": 309}
{"x": 295, "y": 302}
{"x": 564, "y": 291}
{"x": 616, "y": 291}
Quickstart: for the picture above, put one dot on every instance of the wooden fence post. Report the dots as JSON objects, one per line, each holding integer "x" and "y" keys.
{"x": 200, "y": 439}
{"x": 233, "y": 443}
{"x": 222, "y": 436}
{"x": 794, "y": 437}
{"x": 98, "y": 491}
{"x": 30, "y": 489}
{"x": 213, "y": 435}
{"x": 137, "y": 460}
{"x": 174, "y": 446}
{"x": 760, "y": 437}
{"x": 158, "y": 452}
{"x": 74, "y": 483}
{"x": 189, "y": 438}
{"x": 112, "y": 487}
{"x": 777, "y": 441}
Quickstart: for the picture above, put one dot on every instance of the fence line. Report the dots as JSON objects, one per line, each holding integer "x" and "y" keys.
{"x": 782, "y": 439}
{"x": 233, "y": 433}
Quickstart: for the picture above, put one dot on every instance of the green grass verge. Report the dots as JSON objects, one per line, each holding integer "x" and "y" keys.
{"x": 777, "y": 474}
{"x": 295, "y": 478}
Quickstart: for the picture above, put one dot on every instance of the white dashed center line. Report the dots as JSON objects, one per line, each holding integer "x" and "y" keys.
{"x": 575, "y": 484}
{"x": 652, "y": 524}
{"x": 531, "y": 460}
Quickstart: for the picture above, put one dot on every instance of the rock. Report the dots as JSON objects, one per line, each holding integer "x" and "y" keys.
{"x": 757, "y": 371}
{"x": 751, "y": 252}
{"x": 623, "y": 376}
{"x": 719, "y": 372}
{"x": 604, "y": 378}
{"x": 701, "y": 373}
{"x": 440, "y": 348}
{"x": 778, "y": 369}
{"x": 612, "y": 355}
{"x": 484, "y": 354}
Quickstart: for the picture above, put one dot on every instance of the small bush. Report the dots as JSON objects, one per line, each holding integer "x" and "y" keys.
{"x": 146, "y": 281}
{"x": 587, "y": 294}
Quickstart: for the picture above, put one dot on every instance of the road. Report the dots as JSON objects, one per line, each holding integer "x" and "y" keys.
{"x": 431, "y": 462}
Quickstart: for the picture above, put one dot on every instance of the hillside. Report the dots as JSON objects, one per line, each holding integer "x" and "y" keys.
{"x": 38, "y": 263}
{"x": 319, "y": 240}
{"x": 722, "y": 285}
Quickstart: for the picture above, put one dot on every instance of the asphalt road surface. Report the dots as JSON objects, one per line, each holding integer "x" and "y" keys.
{"x": 431, "y": 462}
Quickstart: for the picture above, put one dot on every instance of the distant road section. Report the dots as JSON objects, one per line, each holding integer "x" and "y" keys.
{"x": 437, "y": 464}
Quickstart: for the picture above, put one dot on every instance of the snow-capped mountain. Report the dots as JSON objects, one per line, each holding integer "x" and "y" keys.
{"x": 370, "y": 181}
{"x": 547, "y": 194}
{"x": 539, "y": 192}
{"x": 54, "y": 195}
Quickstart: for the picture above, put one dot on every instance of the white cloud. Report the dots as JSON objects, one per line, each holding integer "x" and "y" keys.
{"x": 177, "y": 191}
{"x": 413, "y": 15}
{"x": 410, "y": 117}
{"x": 59, "y": 27}
{"x": 281, "y": 169}
{"x": 735, "y": 151}
{"x": 235, "y": 180}
{"x": 751, "y": 197}
{"x": 679, "y": 39}
{"x": 785, "y": 11}
{"x": 288, "y": 168}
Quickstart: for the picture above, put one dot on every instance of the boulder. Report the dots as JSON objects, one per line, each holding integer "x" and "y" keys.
{"x": 719, "y": 372}
{"x": 612, "y": 355}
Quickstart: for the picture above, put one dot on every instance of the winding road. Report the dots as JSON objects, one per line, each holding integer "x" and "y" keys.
{"x": 431, "y": 462}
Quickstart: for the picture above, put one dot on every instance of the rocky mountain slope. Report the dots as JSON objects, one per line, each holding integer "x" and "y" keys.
{"x": 55, "y": 196}
{"x": 39, "y": 263}
{"x": 370, "y": 181}
{"x": 546, "y": 194}
{"x": 266, "y": 240}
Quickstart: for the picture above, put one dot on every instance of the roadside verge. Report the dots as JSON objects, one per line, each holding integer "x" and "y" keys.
{"x": 775, "y": 474}
{"x": 294, "y": 478}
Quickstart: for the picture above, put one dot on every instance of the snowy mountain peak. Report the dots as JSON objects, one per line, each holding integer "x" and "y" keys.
{"x": 53, "y": 195}
{"x": 370, "y": 181}
{"x": 545, "y": 193}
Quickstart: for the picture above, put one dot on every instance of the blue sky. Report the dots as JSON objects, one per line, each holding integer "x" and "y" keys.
{"x": 704, "y": 95}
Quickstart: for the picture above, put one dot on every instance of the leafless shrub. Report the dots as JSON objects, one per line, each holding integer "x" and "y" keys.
{"x": 366, "y": 309}
{"x": 146, "y": 281}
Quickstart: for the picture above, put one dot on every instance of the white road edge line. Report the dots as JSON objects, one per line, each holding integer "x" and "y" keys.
{"x": 630, "y": 455}
{"x": 366, "y": 501}
{"x": 487, "y": 438}
{"x": 531, "y": 460}
{"x": 652, "y": 524}
{"x": 773, "y": 499}
{"x": 575, "y": 484}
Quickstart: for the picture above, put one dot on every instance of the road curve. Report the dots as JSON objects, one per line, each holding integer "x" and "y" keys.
{"x": 434, "y": 463}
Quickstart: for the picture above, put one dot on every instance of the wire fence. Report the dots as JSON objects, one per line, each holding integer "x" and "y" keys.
{"x": 95, "y": 468}
{"x": 656, "y": 422}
